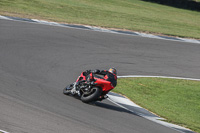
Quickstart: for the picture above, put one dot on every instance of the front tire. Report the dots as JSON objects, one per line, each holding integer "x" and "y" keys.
{"x": 67, "y": 89}
{"x": 92, "y": 96}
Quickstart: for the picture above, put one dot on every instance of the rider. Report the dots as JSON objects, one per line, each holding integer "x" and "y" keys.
{"x": 109, "y": 76}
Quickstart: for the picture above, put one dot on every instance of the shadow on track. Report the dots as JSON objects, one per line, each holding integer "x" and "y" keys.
{"x": 105, "y": 105}
{"x": 112, "y": 107}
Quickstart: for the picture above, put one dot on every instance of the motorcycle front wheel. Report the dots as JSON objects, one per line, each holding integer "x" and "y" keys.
{"x": 67, "y": 89}
{"x": 93, "y": 95}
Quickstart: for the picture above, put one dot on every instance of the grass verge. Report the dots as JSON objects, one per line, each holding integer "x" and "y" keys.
{"x": 176, "y": 100}
{"x": 136, "y": 15}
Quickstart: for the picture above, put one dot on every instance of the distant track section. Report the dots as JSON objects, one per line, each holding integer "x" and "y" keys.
{"x": 102, "y": 29}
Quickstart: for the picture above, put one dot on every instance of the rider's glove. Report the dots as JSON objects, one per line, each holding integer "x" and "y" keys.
{"x": 86, "y": 72}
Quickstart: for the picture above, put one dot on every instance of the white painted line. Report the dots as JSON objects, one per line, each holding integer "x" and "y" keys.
{"x": 122, "y": 100}
{"x": 148, "y": 35}
{"x": 189, "y": 40}
{"x": 46, "y": 22}
{"x": 2, "y": 17}
{"x": 99, "y": 29}
{"x": 145, "y": 76}
{"x": 3, "y": 131}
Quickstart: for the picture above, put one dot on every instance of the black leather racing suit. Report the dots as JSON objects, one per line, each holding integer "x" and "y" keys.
{"x": 108, "y": 76}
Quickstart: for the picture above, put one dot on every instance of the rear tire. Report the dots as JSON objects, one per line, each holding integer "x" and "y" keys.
{"x": 93, "y": 96}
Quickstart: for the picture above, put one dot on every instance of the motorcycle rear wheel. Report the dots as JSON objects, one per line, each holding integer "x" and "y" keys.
{"x": 92, "y": 96}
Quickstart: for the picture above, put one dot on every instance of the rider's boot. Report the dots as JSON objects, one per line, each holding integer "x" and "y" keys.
{"x": 102, "y": 97}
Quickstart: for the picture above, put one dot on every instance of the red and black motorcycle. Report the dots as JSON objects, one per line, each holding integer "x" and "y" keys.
{"x": 89, "y": 87}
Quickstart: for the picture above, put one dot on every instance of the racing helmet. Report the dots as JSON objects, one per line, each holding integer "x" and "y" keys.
{"x": 113, "y": 70}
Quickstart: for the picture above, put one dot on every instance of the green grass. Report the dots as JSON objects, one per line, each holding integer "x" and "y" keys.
{"x": 176, "y": 100}
{"x": 133, "y": 15}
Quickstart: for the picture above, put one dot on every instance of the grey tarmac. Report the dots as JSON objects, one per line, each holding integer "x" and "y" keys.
{"x": 38, "y": 61}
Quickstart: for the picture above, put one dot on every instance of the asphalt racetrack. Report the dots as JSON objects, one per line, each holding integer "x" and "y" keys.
{"x": 37, "y": 61}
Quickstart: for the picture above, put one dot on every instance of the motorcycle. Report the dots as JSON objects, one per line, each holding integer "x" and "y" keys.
{"x": 89, "y": 87}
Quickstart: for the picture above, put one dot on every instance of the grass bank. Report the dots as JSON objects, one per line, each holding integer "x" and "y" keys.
{"x": 136, "y": 15}
{"x": 176, "y": 100}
